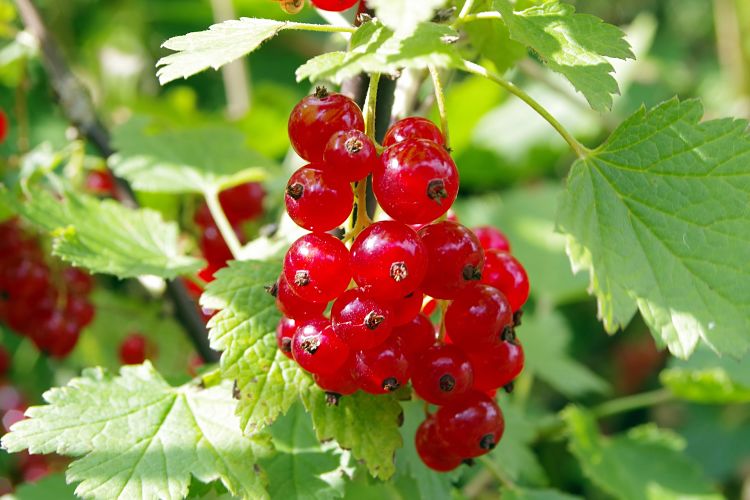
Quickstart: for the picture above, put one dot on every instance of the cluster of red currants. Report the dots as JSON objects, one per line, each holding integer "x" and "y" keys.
{"x": 378, "y": 336}
{"x": 47, "y": 304}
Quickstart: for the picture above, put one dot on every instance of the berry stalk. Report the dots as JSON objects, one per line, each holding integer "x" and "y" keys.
{"x": 440, "y": 101}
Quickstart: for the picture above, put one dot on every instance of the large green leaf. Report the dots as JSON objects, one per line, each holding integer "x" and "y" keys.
{"x": 104, "y": 236}
{"x": 244, "y": 329}
{"x": 138, "y": 437}
{"x": 183, "y": 161}
{"x": 659, "y": 217}
{"x": 575, "y": 45}
{"x": 491, "y": 39}
{"x": 646, "y": 463}
{"x": 706, "y": 378}
{"x": 403, "y": 17}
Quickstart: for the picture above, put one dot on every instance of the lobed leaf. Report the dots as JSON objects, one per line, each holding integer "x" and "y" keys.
{"x": 404, "y": 17}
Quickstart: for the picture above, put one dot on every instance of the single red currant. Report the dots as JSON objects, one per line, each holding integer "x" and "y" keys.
{"x": 284, "y": 333}
{"x": 441, "y": 374}
{"x": 341, "y": 382}
{"x": 505, "y": 273}
{"x": 388, "y": 257}
{"x": 317, "y": 117}
{"x": 497, "y": 366}
{"x": 78, "y": 309}
{"x": 318, "y": 267}
{"x": 492, "y": 238}
{"x": 100, "y": 182}
{"x": 317, "y": 349}
{"x": 133, "y": 350}
{"x": 243, "y": 203}
{"x": 416, "y": 181}
{"x": 349, "y": 156}
{"x": 407, "y": 308}
{"x": 361, "y": 320}
{"x": 415, "y": 336}
{"x": 334, "y": 5}
{"x": 214, "y": 248}
{"x": 477, "y": 317}
{"x": 454, "y": 259}
{"x": 77, "y": 281}
{"x": 3, "y": 126}
{"x": 382, "y": 369}
{"x": 432, "y": 449}
{"x": 316, "y": 200}
{"x": 292, "y": 305}
{"x": 413, "y": 127}
{"x": 471, "y": 426}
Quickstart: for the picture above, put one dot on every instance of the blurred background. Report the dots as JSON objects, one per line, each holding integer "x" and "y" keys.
{"x": 512, "y": 166}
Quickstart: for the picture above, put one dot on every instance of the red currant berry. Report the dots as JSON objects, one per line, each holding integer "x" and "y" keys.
{"x": 471, "y": 426}
{"x": 317, "y": 349}
{"x": 242, "y": 203}
{"x": 292, "y": 305}
{"x": 413, "y": 127}
{"x": 454, "y": 259}
{"x": 79, "y": 309}
{"x": 213, "y": 247}
{"x": 416, "y": 181}
{"x": 334, "y": 5}
{"x": 505, "y": 273}
{"x": 415, "y": 337}
{"x": 100, "y": 182}
{"x": 361, "y": 320}
{"x": 492, "y": 238}
{"x": 316, "y": 200}
{"x": 429, "y": 307}
{"x": 382, "y": 369}
{"x": 477, "y": 317}
{"x": 349, "y": 156}
{"x": 318, "y": 267}
{"x": 441, "y": 374}
{"x": 317, "y": 117}
{"x": 432, "y": 449}
{"x": 407, "y": 308}
{"x": 388, "y": 257}
{"x": 284, "y": 333}
{"x": 342, "y": 382}
{"x": 78, "y": 281}
{"x": 3, "y": 126}
{"x": 497, "y": 366}
{"x": 133, "y": 350}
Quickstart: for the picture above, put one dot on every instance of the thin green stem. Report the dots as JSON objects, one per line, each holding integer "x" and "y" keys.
{"x": 325, "y": 28}
{"x": 468, "y": 5}
{"x": 478, "y": 16}
{"x": 371, "y": 101}
{"x": 440, "y": 100}
{"x": 630, "y": 403}
{"x": 225, "y": 228}
{"x": 476, "y": 69}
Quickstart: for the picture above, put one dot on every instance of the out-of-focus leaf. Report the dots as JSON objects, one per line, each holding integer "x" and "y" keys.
{"x": 707, "y": 378}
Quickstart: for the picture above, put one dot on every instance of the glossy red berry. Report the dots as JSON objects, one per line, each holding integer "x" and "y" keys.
{"x": 77, "y": 281}
{"x": 407, "y": 308}
{"x": 317, "y": 117}
{"x": 471, "y": 426}
{"x": 243, "y": 203}
{"x": 416, "y": 181}
{"x": 441, "y": 374}
{"x": 318, "y": 267}
{"x": 213, "y": 247}
{"x": 3, "y": 126}
{"x": 432, "y": 449}
{"x": 284, "y": 333}
{"x": 100, "y": 182}
{"x": 382, "y": 369}
{"x": 415, "y": 336}
{"x": 497, "y": 366}
{"x": 492, "y": 238}
{"x": 349, "y": 155}
{"x": 454, "y": 259}
{"x": 316, "y": 200}
{"x": 477, "y": 317}
{"x": 317, "y": 349}
{"x": 341, "y": 382}
{"x": 334, "y": 5}
{"x": 361, "y": 320}
{"x": 389, "y": 258}
{"x": 292, "y": 305}
{"x": 80, "y": 310}
{"x": 413, "y": 127}
{"x": 133, "y": 350}
{"x": 505, "y": 273}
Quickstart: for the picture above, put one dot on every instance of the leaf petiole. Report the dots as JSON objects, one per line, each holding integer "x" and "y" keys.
{"x": 225, "y": 228}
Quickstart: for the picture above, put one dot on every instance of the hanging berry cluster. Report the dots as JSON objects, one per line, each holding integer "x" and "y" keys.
{"x": 47, "y": 304}
{"x": 378, "y": 336}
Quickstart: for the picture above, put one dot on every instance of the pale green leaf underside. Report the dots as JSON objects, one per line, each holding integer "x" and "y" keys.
{"x": 574, "y": 45}
{"x": 220, "y": 44}
{"x": 138, "y": 437}
{"x": 106, "y": 237}
{"x": 706, "y": 378}
{"x": 183, "y": 161}
{"x": 376, "y": 49}
{"x": 647, "y": 463}
{"x": 659, "y": 215}
{"x": 403, "y": 17}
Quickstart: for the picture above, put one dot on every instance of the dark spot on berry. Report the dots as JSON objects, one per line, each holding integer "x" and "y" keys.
{"x": 310, "y": 346}
{"x": 509, "y": 387}
{"x": 236, "y": 390}
{"x": 447, "y": 383}
{"x": 373, "y": 320}
{"x": 487, "y": 442}
{"x": 409, "y": 295}
{"x": 517, "y": 317}
{"x": 272, "y": 290}
{"x": 399, "y": 271}
{"x": 436, "y": 191}
{"x": 353, "y": 145}
{"x": 508, "y": 334}
{"x": 302, "y": 278}
{"x": 295, "y": 191}
{"x": 321, "y": 92}
{"x": 472, "y": 273}
{"x": 391, "y": 384}
{"x": 286, "y": 345}
{"x": 332, "y": 398}
{"x": 468, "y": 461}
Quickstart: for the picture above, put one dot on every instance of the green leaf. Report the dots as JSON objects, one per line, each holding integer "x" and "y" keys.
{"x": 491, "y": 38}
{"x": 301, "y": 466}
{"x": 363, "y": 423}
{"x": 658, "y": 216}
{"x": 403, "y": 17}
{"x": 245, "y": 330}
{"x": 707, "y": 378}
{"x": 545, "y": 340}
{"x": 514, "y": 454}
{"x": 646, "y": 463}
{"x": 220, "y": 44}
{"x": 52, "y": 486}
{"x": 184, "y": 161}
{"x": 529, "y": 494}
{"x": 574, "y": 45}
{"x": 106, "y": 237}
{"x": 376, "y": 49}
{"x": 138, "y": 437}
